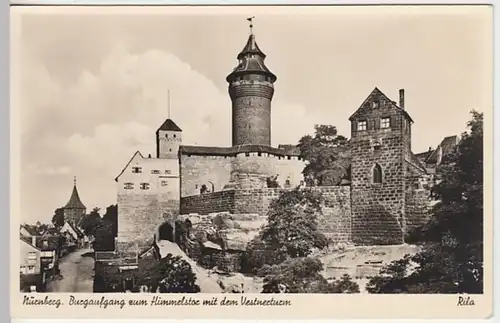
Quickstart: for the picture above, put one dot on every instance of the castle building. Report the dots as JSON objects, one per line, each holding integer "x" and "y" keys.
{"x": 385, "y": 198}
{"x": 74, "y": 209}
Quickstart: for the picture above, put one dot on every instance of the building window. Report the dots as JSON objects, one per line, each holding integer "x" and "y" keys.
{"x": 385, "y": 123}
{"x": 128, "y": 186}
{"x": 170, "y": 150}
{"x": 168, "y": 171}
{"x": 155, "y": 171}
{"x": 164, "y": 183}
{"x": 362, "y": 126}
{"x": 375, "y": 104}
{"x": 31, "y": 270}
{"x": 32, "y": 255}
{"x": 166, "y": 136}
{"x": 175, "y": 136}
{"x": 144, "y": 186}
{"x": 247, "y": 154}
{"x": 136, "y": 170}
{"x": 377, "y": 174}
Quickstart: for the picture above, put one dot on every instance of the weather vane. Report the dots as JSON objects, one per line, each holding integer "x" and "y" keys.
{"x": 250, "y": 19}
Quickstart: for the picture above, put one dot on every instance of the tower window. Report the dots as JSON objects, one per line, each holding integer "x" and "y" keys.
{"x": 144, "y": 186}
{"x": 385, "y": 123}
{"x": 168, "y": 171}
{"x": 362, "y": 126}
{"x": 136, "y": 170}
{"x": 377, "y": 174}
{"x": 155, "y": 171}
{"x": 175, "y": 136}
{"x": 166, "y": 136}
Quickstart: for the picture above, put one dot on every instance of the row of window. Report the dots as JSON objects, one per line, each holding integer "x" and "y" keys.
{"x": 174, "y": 136}
{"x": 385, "y": 123}
{"x": 142, "y": 186}
{"x": 26, "y": 269}
{"x": 138, "y": 170}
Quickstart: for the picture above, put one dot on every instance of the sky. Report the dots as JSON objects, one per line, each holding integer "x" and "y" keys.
{"x": 93, "y": 84}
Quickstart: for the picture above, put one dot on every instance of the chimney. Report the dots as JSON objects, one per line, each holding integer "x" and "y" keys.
{"x": 402, "y": 98}
{"x": 149, "y": 156}
{"x": 33, "y": 240}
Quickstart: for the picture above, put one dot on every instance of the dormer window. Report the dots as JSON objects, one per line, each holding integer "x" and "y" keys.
{"x": 385, "y": 123}
{"x": 362, "y": 126}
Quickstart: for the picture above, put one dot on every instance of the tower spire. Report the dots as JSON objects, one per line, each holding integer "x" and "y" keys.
{"x": 250, "y": 19}
{"x": 74, "y": 180}
{"x": 168, "y": 104}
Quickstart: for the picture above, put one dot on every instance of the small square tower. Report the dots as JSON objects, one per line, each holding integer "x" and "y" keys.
{"x": 168, "y": 140}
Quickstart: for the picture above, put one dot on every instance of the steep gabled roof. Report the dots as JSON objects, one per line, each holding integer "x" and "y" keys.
{"x": 137, "y": 153}
{"x": 446, "y": 146}
{"x": 74, "y": 228}
{"x": 30, "y": 229}
{"x": 74, "y": 201}
{"x": 377, "y": 92}
{"x": 30, "y": 244}
{"x": 169, "y": 125}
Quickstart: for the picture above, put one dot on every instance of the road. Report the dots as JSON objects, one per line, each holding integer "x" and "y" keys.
{"x": 77, "y": 274}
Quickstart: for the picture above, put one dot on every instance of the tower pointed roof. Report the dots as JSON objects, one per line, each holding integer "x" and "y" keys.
{"x": 251, "y": 61}
{"x": 74, "y": 201}
{"x": 169, "y": 125}
{"x": 251, "y": 48}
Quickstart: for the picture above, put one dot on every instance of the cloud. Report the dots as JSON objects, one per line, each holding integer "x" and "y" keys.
{"x": 96, "y": 123}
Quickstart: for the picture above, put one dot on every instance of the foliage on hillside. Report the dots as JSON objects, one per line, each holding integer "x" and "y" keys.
{"x": 303, "y": 275}
{"x": 171, "y": 274}
{"x": 292, "y": 225}
{"x": 327, "y": 155}
{"x": 281, "y": 252}
{"x": 452, "y": 257}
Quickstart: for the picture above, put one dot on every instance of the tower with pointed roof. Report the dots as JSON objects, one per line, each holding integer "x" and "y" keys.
{"x": 74, "y": 209}
{"x": 251, "y": 88}
{"x": 168, "y": 140}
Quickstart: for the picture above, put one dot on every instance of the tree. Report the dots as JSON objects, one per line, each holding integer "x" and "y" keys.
{"x": 90, "y": 222}
{"x": 111, "y": 216}
{"x": 171, "y": 274}
{"x": 302, "y": 275}
{"x": 58, "y": 217}
{"x": 292, "y": 228}
{"x": 103, "y": 237}
{"x": 327, "y": 155}
{"x": 451, "y": 260}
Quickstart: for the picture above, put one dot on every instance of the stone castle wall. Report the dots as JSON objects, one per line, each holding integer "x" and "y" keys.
{"x": 417, "y": 198}
{"x": 335, "y": 221}
{"x": 241, "y": 171}
{"x": 198, "y": 170}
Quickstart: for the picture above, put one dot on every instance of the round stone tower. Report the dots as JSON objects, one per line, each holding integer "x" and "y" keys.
{"x": 251, "y": 90}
